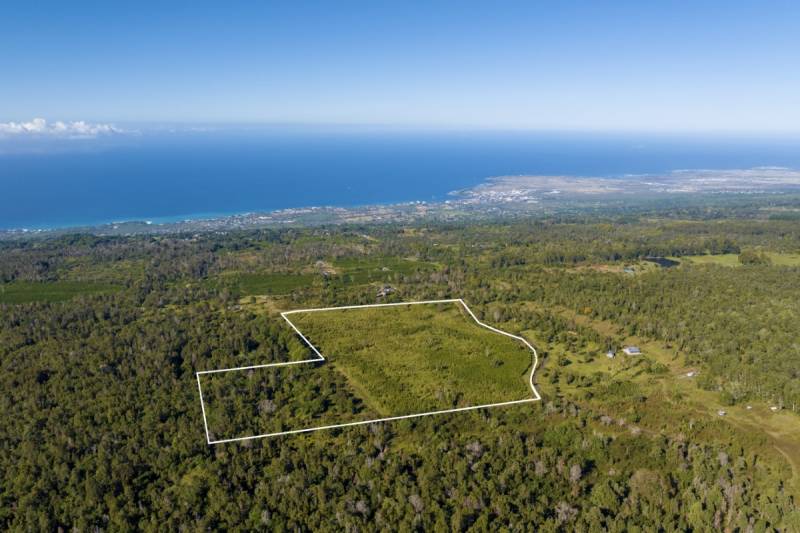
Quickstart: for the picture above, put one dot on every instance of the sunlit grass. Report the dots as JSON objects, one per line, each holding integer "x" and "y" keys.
{"x": 417, "y": 358}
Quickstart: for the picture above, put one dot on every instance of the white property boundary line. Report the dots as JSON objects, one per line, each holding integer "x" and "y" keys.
{"x": 321, "y": 357}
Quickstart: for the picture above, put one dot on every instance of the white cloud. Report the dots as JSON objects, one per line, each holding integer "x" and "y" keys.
{"x": 41, "y": 128}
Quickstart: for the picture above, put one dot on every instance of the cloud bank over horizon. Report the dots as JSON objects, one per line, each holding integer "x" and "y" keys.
{"x": 39, "y": 127}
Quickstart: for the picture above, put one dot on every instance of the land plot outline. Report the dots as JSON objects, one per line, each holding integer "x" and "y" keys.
{"x": 319, "y": 357}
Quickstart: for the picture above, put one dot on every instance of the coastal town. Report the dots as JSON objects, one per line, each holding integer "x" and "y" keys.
{"x": 499, "y": 197}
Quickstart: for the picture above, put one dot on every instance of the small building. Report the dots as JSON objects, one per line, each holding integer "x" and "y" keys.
{"x": 610, "y": 354}
{"x": 722, "y": 412}
{"x": 632, "y": 350}
{"x": 384, "y": 291}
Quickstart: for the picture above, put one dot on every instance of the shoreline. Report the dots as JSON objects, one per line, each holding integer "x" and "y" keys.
{"x": 495, "y": 196}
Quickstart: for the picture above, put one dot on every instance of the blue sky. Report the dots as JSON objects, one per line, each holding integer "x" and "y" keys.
{"x": 652, "y": 66}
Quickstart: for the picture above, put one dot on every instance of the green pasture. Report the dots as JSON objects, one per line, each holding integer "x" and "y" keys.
{"x": 778, "y": 259}
{"x": 55, "y": 291}
{"x": 418, "y": 358}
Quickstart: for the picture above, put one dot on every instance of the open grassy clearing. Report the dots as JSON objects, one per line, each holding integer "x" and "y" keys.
{"x": 54, "y": 291}
{"x": 419, "y": 358}
{"x": 778, "y": 259}
{"x": 114, "y": 272}
{"x": 347, "y": 271}
{"x": 728, "y": 260}
{"x": 383, "y": 362}
{"x": 262, "y": 283}
{"x": 361, "y": 270}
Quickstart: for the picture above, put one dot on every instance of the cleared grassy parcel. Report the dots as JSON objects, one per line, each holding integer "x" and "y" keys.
{"x": 54, "y": 291}
{"x": 389, "y": 361}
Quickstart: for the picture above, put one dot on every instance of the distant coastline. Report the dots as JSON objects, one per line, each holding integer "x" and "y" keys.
{"x": 495, "y": 197}
{"x": 178, "y": 177}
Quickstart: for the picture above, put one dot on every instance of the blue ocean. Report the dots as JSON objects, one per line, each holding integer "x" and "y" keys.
{"x": 165, "y": 175}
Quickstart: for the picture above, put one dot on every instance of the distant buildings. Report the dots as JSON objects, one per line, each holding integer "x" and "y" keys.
{"x": 632, "y": 350}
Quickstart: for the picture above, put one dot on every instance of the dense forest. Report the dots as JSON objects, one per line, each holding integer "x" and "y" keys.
{"x": 100, "y": 339}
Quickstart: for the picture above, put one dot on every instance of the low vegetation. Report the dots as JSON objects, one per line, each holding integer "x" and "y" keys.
{"x": 746, "y": 257}
{"x": 419, "y": 358}
{"x": 56, "y": 291}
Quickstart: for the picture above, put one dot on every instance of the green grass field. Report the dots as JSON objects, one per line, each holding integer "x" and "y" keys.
{"x": 778, "y": 259}
{"x": 361, "y": 270}
{"x": 55, "y": 291}
{"x": 348, "y": 271}
{"x": 383, "y": 362}
{"x": 418, "y": 358}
